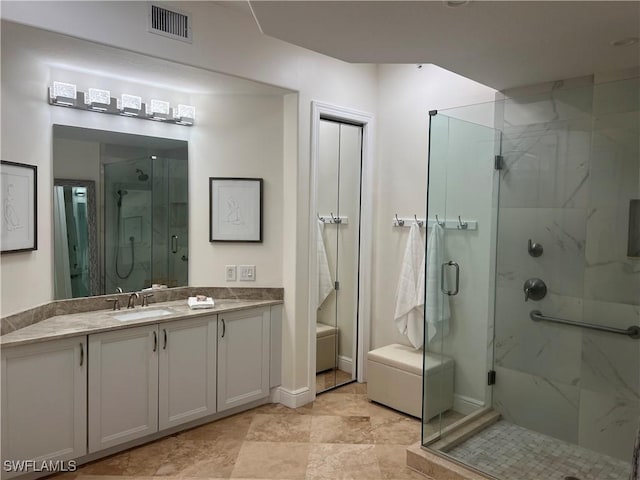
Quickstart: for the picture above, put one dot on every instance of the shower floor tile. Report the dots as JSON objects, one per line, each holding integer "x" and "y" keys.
{"x": 510, "y": 452}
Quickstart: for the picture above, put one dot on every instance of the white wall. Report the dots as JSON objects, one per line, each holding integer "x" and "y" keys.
{"x": 243, "y": 52}
{"x": 237, "y": 137}
{"x": 405, "y": 96}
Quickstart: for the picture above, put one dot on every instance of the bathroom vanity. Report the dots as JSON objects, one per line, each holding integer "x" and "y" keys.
{"x": 86, "y": 385}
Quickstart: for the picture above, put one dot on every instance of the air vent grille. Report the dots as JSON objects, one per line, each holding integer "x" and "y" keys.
{"x": 169, "y": 23}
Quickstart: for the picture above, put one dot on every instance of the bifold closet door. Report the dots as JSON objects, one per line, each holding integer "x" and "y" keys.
{"x": 338, "y": 195}
{"x": 348, "y": 248}
{"x": 327, "y": 204}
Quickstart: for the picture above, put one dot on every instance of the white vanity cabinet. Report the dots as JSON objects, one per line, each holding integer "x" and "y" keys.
{"x": 243, "y": 357}
{"x": 150, "y": 378}
{"x": 187, "y": 379}
{"x": 44, "y": 402}
{"x": 123, "y": 386}
{"x": 69, "y": 398}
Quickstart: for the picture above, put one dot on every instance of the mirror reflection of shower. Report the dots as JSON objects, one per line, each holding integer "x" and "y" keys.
{"x": 145, "y": 211}
{"x": 133, "y": 214}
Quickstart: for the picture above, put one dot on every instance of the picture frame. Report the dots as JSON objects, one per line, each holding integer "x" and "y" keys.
{"x": 19, "y": 207}
{"x": 235, "y": 209}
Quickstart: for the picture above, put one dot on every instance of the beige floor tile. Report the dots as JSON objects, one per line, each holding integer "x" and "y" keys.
{"x": 279, "y": 428}
{"x": 398, "y": 431}
{"x": 346, "y": 404}
{"x": 230, "y": 428}
{"x": 392, "y": 460}
{"x": 379, "y": 410}
{"x": 340, "y": 429}
{"x": 111, "y": 477}
{"x": 342, "y": 462}
{"x": 279, "y": 408}
{"x": 282, "y": 460}
{"x": 216, "y": 461}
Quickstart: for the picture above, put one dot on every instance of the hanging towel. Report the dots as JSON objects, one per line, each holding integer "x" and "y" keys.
{"x": 437, "y": 311}
{"x": 325, "y": 284}
{"x": 409, "y": 312}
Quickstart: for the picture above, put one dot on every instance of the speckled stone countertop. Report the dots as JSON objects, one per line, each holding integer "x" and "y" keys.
{"x": 85, "y": 323}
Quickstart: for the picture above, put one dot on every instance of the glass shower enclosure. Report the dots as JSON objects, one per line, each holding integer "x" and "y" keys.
{"x": 543, "y": 329}
{"x": 145, "y": 223}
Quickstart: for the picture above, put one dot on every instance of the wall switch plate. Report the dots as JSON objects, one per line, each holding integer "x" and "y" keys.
{"x": 247, "y": 273}
{"x": 230, "y": 273}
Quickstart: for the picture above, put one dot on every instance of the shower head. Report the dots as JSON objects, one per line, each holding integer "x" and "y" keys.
{"x": 143, "y": 177}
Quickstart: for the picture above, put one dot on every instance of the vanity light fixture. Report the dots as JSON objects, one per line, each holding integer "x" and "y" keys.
{"x": 158, "y": 110}
{"x": 130, "y": 105}
{"x": 63, "y": 94}
{"x": 184, "y": 114}
{"x": 100, "y": 101}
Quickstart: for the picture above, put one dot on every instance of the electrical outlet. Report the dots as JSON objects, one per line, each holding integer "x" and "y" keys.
{"x": 247, "y": 273}
{"x": 230, "y": 273}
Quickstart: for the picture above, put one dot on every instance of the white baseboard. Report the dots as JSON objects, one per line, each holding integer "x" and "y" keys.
{"x": 292, "y": 398}
{"x": 466, "y": 405}
{"x": 345, "y": 364}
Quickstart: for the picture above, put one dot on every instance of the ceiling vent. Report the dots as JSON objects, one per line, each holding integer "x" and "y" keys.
{"x": 170, "y": 23}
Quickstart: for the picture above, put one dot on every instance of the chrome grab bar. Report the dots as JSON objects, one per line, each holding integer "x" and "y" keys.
{"x": 633, "y": 331}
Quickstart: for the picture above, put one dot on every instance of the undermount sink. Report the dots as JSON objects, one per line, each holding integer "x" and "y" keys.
{"x": 140, "y": 314}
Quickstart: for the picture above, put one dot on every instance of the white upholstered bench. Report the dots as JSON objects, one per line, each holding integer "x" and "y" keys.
{"x": 394, "y": 379}
{"x": 326, "y": 337}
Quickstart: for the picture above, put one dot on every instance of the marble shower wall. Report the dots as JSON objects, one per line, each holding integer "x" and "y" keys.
{"x": 572, "y": 164}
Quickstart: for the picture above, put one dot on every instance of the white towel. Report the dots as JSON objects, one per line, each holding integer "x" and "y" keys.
{"x": 409, "y": 312}
{"x": 200, "y": 302}
{"x": 325, "y": 284}
{"x": 437, "y": 308}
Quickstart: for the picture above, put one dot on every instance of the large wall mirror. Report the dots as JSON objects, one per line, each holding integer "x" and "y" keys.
{"x": 120, "y": 212}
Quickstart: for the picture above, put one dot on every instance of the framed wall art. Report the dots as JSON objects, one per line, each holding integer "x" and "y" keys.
{"x": 235, "y": 209}
{"x": 18, "y": 194}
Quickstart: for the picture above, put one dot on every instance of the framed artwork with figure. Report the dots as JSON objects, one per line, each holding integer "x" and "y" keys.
{"x": 18, "y": 194}
{"x": 235, "y": 209}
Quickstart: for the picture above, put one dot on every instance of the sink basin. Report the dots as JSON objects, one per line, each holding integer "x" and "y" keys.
{"x": 140, "y": 314}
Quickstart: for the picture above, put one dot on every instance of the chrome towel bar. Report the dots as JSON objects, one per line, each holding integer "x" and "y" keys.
{"x": 633, "y": 331}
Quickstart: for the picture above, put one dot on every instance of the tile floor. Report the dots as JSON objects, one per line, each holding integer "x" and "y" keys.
{"x": 339, "y": 436}
{"x": 511, "y": 452}
{"x": 330, "y": 378}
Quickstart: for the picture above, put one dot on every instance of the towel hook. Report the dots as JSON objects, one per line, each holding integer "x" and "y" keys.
{"x": 320, "y": 218}
{"x": 442, "y": 224}
{"x": 462, "y": 225}
{"x": 419, "y": 222}
{"x": 335, "y": 219}
{"x": 399, "y": 222}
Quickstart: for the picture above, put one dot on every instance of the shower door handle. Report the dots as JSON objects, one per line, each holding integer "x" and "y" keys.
{"x": 174, "y": 243}
{"x": 451, "y": 293}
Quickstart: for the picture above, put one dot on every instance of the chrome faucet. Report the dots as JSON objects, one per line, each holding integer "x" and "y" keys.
{"x": 132, "y": 300}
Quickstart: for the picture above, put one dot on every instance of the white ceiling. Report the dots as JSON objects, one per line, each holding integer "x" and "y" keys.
{"x": 502, "y": 44}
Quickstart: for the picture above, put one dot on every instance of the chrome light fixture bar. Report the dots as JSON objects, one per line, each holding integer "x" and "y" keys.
{"x": 100, "y": 101}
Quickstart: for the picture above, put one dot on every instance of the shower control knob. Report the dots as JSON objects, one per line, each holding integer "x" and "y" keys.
{"x": 534, "y": 289}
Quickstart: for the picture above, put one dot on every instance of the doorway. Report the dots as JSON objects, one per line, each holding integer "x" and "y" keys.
{"x": 340, "y": 247}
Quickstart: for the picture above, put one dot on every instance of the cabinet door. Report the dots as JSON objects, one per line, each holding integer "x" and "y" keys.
{"x": 187, "y": 378}
{"x": 123, "y": 386}
{"x": 243, "y": 357}
{"x": 44, "y": 401}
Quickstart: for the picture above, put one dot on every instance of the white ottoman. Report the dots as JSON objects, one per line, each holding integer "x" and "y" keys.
{"x": 326, "y": 337}
{"x": 394, "y": 378}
